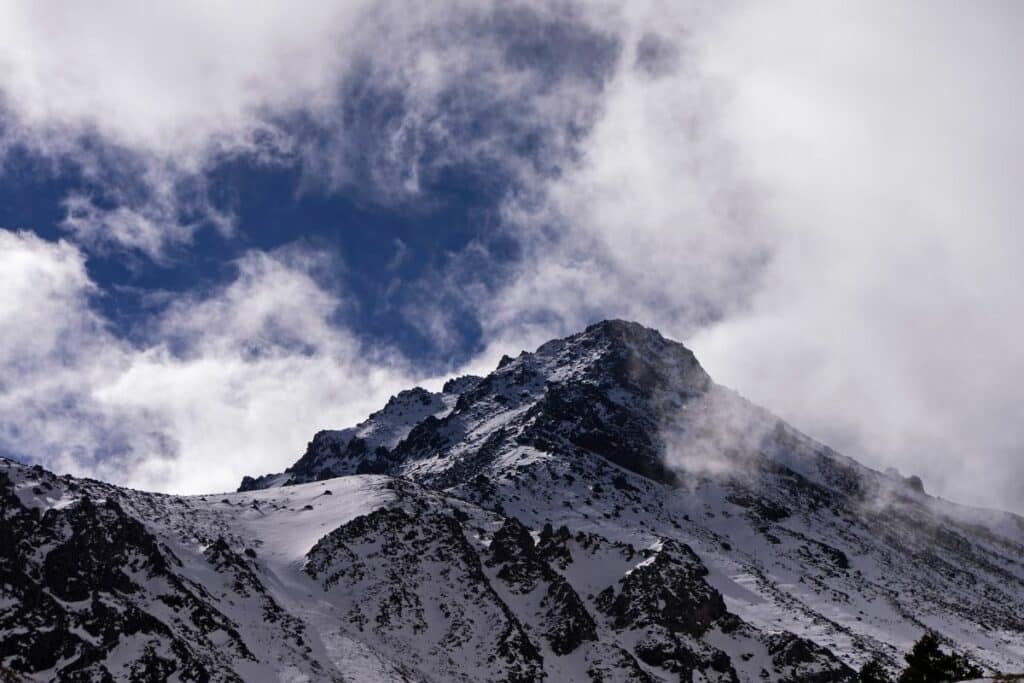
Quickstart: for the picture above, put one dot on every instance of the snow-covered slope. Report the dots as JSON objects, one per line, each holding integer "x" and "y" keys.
{"x": 596, "y": 510}
{"x": 360, "y": 578}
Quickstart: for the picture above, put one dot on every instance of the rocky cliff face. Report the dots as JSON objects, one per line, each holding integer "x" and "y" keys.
{"x": 598, "y": 510}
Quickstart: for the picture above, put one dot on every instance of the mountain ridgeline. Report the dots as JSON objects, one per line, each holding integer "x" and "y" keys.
{"x": 596, "y": 510}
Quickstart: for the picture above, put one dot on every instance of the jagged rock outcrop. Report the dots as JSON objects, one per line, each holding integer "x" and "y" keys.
{"x": 82, "y": 582}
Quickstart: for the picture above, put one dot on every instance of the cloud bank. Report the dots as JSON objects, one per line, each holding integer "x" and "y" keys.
{"x": 231, "y": 382}
{"x": 821, "y": 200}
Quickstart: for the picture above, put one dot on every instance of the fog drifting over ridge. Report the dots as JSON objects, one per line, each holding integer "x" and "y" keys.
{"x": 820, "y": 200}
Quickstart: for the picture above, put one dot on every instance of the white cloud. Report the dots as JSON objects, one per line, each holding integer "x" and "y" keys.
{"x": 53, "y": 351}
{"x": 653, "y": 221}
{"x": 824, "y": 201}
{"x": 153, "y": 96}
{"x": 228, "y": 384}
{"x": 890, "y": 175}
{"x": 169, "y": 81}
{"x": 383, "y": 96}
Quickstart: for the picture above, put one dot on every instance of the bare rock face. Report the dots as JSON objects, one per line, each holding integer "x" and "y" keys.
{"x": 83, "y": 580}
{"x": 596, "y": 510}
{"x": 403, "y": 568}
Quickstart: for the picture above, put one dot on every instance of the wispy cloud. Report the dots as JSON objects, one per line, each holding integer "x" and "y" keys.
{"x": 385, "y": 98}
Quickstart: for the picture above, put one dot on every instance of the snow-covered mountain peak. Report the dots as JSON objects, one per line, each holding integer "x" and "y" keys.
{"x": 595, "y": 510}
{"x": 617, "y": 352}
{"x": 606, "y": 389}
{"x": 619, "y": 430}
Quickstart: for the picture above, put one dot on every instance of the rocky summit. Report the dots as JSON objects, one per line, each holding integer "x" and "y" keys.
{"x": 596, "y": 510}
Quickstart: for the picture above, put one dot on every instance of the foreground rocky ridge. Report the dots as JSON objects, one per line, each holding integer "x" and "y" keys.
{"x": 596, "y": 510}
{"x": 415, "y": 586}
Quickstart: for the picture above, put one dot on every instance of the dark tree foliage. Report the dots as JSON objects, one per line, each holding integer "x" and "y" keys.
{"x": 926, "y": 663}
{"x": 874, "y": 672}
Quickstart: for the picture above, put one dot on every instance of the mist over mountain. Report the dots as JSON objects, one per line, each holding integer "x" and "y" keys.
{"x": 598, "y": 509}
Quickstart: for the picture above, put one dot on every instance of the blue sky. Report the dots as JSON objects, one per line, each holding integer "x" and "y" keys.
{"x": 380, "y": 253}
{"x": 220, "y": 233}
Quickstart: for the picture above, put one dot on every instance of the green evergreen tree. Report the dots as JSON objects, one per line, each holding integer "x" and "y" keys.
{"x": 926, "y": 663}
{"x": 874, "y": 672}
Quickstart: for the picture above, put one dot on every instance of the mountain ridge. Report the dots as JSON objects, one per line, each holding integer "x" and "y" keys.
{"x": 618, "y": 345}
{"x": 598, "y": 509}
